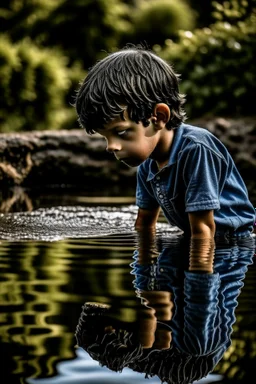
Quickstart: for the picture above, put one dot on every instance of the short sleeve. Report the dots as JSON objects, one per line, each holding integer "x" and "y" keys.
{"x": 145, "y": 198}
{"x": 203, "y": 174}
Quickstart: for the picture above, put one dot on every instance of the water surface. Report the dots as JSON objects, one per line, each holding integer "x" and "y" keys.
{"x": 52, "y": 261}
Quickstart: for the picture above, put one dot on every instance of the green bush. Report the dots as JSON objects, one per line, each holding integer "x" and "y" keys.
{"x": 34, "y": 86}
{"x": 38, "y": 84}
{"x": 155, "y": 21}
{"x": 84, "y": 30}
{"x": 217, "y": 64}
{"x": 18, "y": 18}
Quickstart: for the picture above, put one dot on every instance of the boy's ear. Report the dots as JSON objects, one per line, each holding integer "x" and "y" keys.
{"x": 161, "y": 114}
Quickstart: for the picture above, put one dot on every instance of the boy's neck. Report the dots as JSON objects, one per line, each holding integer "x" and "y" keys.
{"x": 161, "y": 153}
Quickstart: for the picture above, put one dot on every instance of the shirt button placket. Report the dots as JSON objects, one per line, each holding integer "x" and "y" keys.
{"x": 158, "y": 189}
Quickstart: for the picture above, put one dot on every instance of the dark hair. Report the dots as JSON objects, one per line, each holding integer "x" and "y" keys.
{"x": 121, "y": 349}
{"x": 116, "y": 349}
{"x": 133, "y": 78}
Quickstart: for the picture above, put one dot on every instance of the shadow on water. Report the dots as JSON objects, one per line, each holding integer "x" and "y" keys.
{"x": 78, "y": 304}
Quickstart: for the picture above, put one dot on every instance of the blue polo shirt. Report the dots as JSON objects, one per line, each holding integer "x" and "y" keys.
{"x": 200, "y": 175}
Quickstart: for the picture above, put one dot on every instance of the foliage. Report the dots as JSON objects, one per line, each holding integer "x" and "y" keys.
{"x": 18, "y": 18}
{"x": 155, "y": 21}
{"x": 217, "y": 63}
{"x": 84, "y": 30}
{"x": 33, "y": 87}
{"x": 46, "y": 46}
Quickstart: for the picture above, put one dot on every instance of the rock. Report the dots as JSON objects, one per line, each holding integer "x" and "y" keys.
{"x": 58, "y": 158}
{"x": 72, "y": 159}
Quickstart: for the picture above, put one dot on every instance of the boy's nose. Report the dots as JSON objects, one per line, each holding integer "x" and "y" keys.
{"x": 113, "y": 146}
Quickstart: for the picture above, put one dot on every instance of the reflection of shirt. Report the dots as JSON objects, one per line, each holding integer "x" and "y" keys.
{"x": 204, "y": 304}
{"x": 200, "y": 175}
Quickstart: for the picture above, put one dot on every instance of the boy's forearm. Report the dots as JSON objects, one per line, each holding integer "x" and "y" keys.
{"x": 145, "y": 226}
{"x": 202, "y": 224}
{"x": 147, "y": 218}
{"x": 202, "y": 244}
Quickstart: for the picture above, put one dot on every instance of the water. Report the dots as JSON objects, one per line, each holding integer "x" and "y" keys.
{"x": 53, "y": 260}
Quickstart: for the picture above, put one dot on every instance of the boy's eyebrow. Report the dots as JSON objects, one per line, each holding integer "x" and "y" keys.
{"x": 112, "y": 128}
{"x": 119, "y": 126}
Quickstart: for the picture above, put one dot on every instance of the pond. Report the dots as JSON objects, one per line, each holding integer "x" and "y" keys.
{"x": 57, "y": 258}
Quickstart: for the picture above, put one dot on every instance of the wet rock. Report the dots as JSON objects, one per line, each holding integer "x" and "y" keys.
{"x": 66, "y": 158}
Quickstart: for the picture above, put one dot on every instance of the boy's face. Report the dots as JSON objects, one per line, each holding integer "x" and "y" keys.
{"x": 130, "y": 142}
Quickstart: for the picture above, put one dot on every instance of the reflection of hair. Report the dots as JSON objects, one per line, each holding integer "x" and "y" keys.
{"x": 119, "y": 349}
{"x": 173, "y": 366}
{"x": 133, "y": 78}
{"x": 115, "y": 349}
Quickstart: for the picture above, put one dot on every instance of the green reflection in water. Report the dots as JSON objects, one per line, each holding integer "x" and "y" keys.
{"x": 42, "y": 288}
{"x": 44, "y": 284}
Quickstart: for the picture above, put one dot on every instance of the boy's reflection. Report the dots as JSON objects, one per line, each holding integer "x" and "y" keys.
{"x": 185, "y": 321}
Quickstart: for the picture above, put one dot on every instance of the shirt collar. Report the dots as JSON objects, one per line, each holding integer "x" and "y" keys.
{"x": 175, "y": 148}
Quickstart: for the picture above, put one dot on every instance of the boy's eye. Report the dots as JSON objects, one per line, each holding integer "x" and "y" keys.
{"x": 122, "y": 133}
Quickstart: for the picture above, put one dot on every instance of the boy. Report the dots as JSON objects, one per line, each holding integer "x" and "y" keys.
{"x": 132, "y": 98}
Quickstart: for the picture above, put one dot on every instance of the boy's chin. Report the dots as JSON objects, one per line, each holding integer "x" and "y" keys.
{"x": 131, "y": 163}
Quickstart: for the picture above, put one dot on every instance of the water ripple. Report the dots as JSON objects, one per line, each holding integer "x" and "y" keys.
{"x": 58, "y": 223}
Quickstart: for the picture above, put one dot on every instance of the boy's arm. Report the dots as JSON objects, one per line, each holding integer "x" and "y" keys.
{"x": 202, "y": 224}
{"x": 145, "y": 226}
{"x": 202, "y": 243}
{"x": 147, "y": 218}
